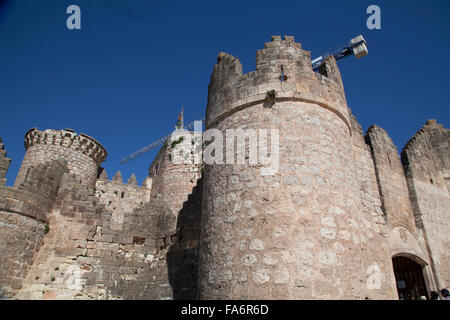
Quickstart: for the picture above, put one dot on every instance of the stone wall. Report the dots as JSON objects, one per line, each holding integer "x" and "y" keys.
{"x": 403, "y": 236}
{"x": 82, "y": 153}
{"x": 87, "y": 255}
{"x": 395, "y": 200}
{"x": 325, "y": 224}
{"x": 303, "y": 233}
{"x": 427, "y": 165}
{"x": 182, "y": 257}
{"x": 371, "y": 206}
{"x": 311, "y": 230}
{"x": 20, "y": 238}
{"x": 120, "y": 198}
{"x": 24, "y": 213}
{"x": 101, "y": 240}
{"x": 45, "y": 179}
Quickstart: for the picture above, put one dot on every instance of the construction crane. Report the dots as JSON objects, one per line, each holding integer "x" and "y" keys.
{"x": 157, "y": 143}
{"x": 356, "y": 46}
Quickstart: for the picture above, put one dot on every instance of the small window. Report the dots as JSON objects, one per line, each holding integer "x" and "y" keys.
{"x": 283, "y": 77}
{"x": 138, "y": 241}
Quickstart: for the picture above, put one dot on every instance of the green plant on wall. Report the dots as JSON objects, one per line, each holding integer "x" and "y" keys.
{"x": 174, "y": 143}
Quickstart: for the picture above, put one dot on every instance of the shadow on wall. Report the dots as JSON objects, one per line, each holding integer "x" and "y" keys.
{"x": 182, "y": 258}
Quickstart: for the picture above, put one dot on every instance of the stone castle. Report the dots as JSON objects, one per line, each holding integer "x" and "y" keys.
{"x": 343, "y": 218}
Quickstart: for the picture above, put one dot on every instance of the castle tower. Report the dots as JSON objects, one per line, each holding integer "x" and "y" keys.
{"x": 82, "y": 153}
{"x": 305, "y": 231}
{"x": 26, "y": 208}
{"x": 176, "y": 169}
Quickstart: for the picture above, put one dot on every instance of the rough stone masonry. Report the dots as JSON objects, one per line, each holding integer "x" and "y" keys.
{"x": 329, "y": 224}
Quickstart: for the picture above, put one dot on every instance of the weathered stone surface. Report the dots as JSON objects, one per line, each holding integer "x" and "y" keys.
{"x": 20, "y": 238}
{"x": 322, "y": 189}
{"x": 325, "y": 225}
{"x": 426, "y": 161}
{"x": 83, "y": 153}
{"x": 174, "y": 176}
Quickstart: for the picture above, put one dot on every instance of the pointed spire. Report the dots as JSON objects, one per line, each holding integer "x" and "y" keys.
{"x": 132, "y": 181}
{"x": 117, "y": 177}
{"x": 182, "y": 117}
{"x": 103, "y": 174}
{"x": 180, "y": 120}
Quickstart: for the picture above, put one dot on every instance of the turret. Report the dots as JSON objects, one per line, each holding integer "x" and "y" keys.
{"x": 283, "y": 68}
{"x": 176, "y": 169}
{"x": 297, "y": 233}
{"x": 83, "y": 154}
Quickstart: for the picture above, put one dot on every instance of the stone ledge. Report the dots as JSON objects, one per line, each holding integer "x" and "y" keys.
{"x": 282, "y": 96}
{"x": 25, "y": 203}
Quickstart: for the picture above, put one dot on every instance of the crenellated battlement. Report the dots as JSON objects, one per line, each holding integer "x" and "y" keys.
{"x": 327, "y": 223}
{"x": 283, "y": 69}
{"x": 121, "y": 198}
{"x": 118, "y": 180}
{"x": 429, "y": 145}
{"x": 289, "y": 41}
{"x": 4, "y": 163}
{"x": 430, "y": 126}
{"x": 69, "y": 139}
{"x": 83, "y": 153}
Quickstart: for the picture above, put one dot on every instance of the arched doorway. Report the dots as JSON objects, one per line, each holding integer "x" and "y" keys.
{"x": 409, "y": 278}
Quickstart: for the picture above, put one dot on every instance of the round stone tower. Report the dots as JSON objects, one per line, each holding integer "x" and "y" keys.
{"x": 297, "y": 232}
{"x": 82, "y": 153}
{"x": 176, "y": 169}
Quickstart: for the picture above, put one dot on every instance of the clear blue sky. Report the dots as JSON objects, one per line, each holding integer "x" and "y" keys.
{"x": 123, "y": 77}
